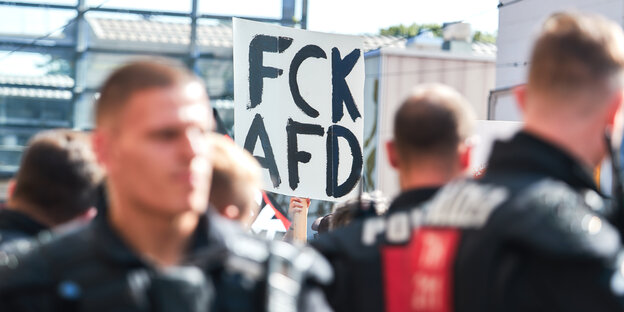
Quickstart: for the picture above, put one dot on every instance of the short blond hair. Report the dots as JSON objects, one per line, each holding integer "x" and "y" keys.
{"x": 235, "y": 173}
{"x": 577, "y": 53}
{"x": 135, "y": 77}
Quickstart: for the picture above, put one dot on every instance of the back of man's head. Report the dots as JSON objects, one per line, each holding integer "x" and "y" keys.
{"x": 58, "y": 176}
{"x": 132, "y": 78}
{"x": 235, "y": 180}
{"x": 432, "y": 122}
{"x": 577, "y": 58}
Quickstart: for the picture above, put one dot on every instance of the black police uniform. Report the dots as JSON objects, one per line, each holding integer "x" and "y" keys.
{"x": 16, "y": 225}
{"x": 92, "y": 269}
{"x": 529, "y": 236}
{"x": 358, "y": 251}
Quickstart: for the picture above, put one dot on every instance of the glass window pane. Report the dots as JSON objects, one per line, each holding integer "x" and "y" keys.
{"x": 26, "y": 21}
{"x": 100, "y": 65}
{"x": 56, "y": 113}
{"x": 22, "y": 111}
{"x": 12, "y": 142}
{"x": 85, "y": 111}
{"x": 62, "y": 2}
{"x": 268, "y": 8}
{"x": 9, "y": 159}
{"x": 35, "y": 94}
{"x": 218, "y": 75}
{"x": 21, "y": 64}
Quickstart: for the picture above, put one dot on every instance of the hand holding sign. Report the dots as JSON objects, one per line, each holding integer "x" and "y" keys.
{"x": 291, "y": 90}
{"x": 297, "y": 205}
{"x": 298, "y": 211}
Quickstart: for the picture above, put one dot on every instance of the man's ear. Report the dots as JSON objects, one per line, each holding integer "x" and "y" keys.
{"x": 101, "y": 147}
{"x": 615, "y": 109}
{"x": 11, "y": 188}
{"x": 464, "y": 151}
{"x": 393, "y": 154}
{"x": 615, "y": 121}
{"x": 520, "y": 93}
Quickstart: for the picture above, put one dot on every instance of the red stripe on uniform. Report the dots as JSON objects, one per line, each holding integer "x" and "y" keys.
{"x": 419, "y": 277}
{"x": 395, "y": 261}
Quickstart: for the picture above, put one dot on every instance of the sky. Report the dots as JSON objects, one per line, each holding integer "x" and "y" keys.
{"x": 338, "y": 16}
{"x": 335, "y": 16}
{"x": 368, "y": 16}
{"x": 344, "y": 16}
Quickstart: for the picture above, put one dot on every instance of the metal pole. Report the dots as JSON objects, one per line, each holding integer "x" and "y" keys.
{"x": 304, "y": 14}
{"x": 79, "y": 70}
{"x": 288, "y": 13}
{"x": 194, "y": 47}
{"x": 37, "y": 5}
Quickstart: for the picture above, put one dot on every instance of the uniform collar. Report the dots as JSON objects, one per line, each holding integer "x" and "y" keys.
{"x": 527, "y": 153}
{"x": 411, "y": 198}
{"x": 14, "y": 220}
{"x": 112, "y": 246}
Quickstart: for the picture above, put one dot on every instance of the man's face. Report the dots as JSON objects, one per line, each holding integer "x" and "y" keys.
{"x": 158, "y": 157}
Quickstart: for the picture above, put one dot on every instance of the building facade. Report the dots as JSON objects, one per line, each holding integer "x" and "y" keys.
{"x": 518, "y": 24}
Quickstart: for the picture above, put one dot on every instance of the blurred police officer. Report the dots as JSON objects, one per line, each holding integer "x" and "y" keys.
{"x": 156, "y": 250}
{"x": 371, "y": 256}
{"x": 56, "y": 184}
{"x": 529, "y": 235}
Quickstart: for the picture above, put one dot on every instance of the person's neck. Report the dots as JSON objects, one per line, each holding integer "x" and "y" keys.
{"x": 161, "y": 239}
{"x": 583, "y": 141}
{"x": 31, "y": 211}
{"x": 426, "y": 175}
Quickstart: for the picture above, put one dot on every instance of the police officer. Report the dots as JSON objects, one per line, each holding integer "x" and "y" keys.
{"x": 156, "y": 249}
{"x": 371, "y": 257}
{"x": 530, "y": 235}
{"x": 56, "y": 184}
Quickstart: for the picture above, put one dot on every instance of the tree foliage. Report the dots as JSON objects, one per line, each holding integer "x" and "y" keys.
{"x": 411, "y": 30}
{"x": 484, "y": 37}
{"x": 436, "y": 29}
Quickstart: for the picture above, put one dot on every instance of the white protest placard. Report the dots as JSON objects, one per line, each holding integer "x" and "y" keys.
{"x": 485, "y": 134}
{"x": 298, "y": 108}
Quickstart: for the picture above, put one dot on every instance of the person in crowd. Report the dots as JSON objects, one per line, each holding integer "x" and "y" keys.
{"x": 365, "y": 205}
{"x": 530, "y": 235}
{"x": 55, "y": 185}
{"x": 236, "y": 183}
{"x": 370, "y": 257}
{"x": 321, "y": 224}
{"x": 157, "y": 249}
